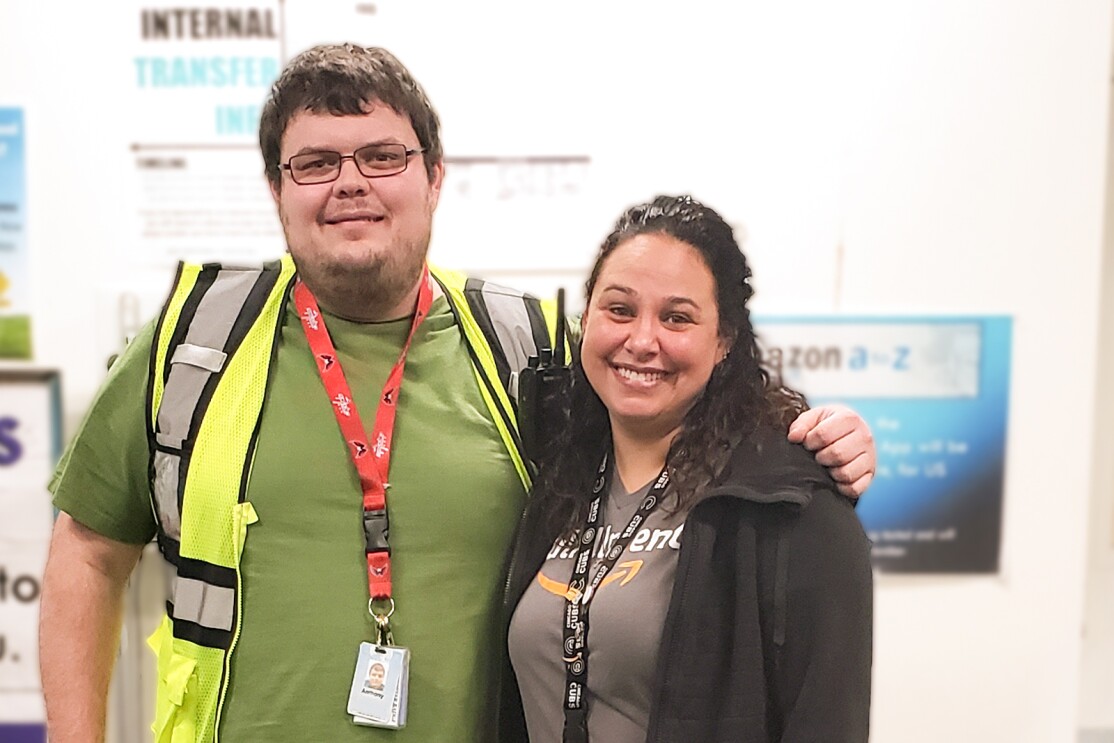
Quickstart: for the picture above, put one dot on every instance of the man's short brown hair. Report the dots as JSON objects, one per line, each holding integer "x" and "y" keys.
{"x": 344, "y": 79}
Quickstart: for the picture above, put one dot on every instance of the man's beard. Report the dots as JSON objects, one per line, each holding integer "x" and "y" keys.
{"x": 369, "y": 290}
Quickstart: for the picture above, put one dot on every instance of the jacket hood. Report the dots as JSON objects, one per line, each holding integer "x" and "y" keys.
{"x": 766, "y": 468}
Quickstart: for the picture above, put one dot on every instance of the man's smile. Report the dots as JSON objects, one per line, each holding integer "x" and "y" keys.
{"x": 358, "y": 215}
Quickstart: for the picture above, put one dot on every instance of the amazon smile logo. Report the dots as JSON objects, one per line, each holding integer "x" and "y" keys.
{"x": 624, "y": 572}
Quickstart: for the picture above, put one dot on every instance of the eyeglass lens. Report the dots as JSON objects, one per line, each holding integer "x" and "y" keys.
{"x": 373, "y": 160}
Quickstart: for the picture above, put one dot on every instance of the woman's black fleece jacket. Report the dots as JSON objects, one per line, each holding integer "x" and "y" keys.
{"x": 768, "y": 634}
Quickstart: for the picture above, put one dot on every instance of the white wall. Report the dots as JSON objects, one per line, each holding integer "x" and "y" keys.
{"x": 982, "y": 188}
{"x": 883, "y": 157}
{"x": 1097, "y": 701}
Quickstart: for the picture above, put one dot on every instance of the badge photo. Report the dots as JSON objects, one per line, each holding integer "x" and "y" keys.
{"x": 379, "y": 686}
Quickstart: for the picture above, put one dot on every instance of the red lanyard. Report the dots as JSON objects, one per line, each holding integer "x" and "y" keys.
{"x": 372, "y": 459}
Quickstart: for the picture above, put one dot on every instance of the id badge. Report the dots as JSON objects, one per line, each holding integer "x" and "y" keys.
{"x": 379, "y": 686}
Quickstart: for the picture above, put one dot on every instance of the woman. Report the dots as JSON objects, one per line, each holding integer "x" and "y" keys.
{"x": 727, "y": 584}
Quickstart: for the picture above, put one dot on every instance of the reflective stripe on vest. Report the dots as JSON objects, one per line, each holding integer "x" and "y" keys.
{"x": 204, "y": 404}
{"x": 194, "y": 362}
{"x": 203, "y": 603}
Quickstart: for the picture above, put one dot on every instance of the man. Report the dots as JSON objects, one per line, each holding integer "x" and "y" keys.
{"x": 216, "y": 432}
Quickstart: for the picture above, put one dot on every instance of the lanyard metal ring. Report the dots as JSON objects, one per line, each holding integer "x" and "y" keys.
{"x": 382, "y": 617}
{"x": 373, "y": 606}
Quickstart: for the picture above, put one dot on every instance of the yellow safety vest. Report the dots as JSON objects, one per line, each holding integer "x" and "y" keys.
{"x": 210, "y": 362}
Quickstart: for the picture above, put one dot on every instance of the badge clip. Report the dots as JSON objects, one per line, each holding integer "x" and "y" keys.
{"x": 381, "y": 610}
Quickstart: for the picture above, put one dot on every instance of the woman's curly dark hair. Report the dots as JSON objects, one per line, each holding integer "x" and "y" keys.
{"x": 740, "y": 396}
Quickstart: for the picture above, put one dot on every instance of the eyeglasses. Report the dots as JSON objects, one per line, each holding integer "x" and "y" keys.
{"x": 373, "y": 161}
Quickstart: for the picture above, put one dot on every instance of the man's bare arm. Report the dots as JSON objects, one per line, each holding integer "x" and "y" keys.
{"x": 79, "y": 627}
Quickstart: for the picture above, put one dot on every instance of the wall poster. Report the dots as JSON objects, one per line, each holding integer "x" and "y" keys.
{"x": 935, "y": 392}
{"x": 15, "y": 300}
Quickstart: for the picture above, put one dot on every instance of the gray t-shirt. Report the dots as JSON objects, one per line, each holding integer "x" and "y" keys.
{"x": 627, "y": 617}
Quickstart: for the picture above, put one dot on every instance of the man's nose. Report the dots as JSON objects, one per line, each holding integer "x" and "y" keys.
{"x": 351, "y": 182}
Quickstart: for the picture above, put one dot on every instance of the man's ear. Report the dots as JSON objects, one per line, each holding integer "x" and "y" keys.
{"x": 435, "y": 181}
{"x": 274, "y": 186}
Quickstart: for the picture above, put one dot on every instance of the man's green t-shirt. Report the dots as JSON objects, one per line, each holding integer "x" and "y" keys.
{"x": 454, "y": 502}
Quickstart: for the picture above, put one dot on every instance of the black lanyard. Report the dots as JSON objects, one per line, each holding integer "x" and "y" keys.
{"x": 581, "y": 590}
